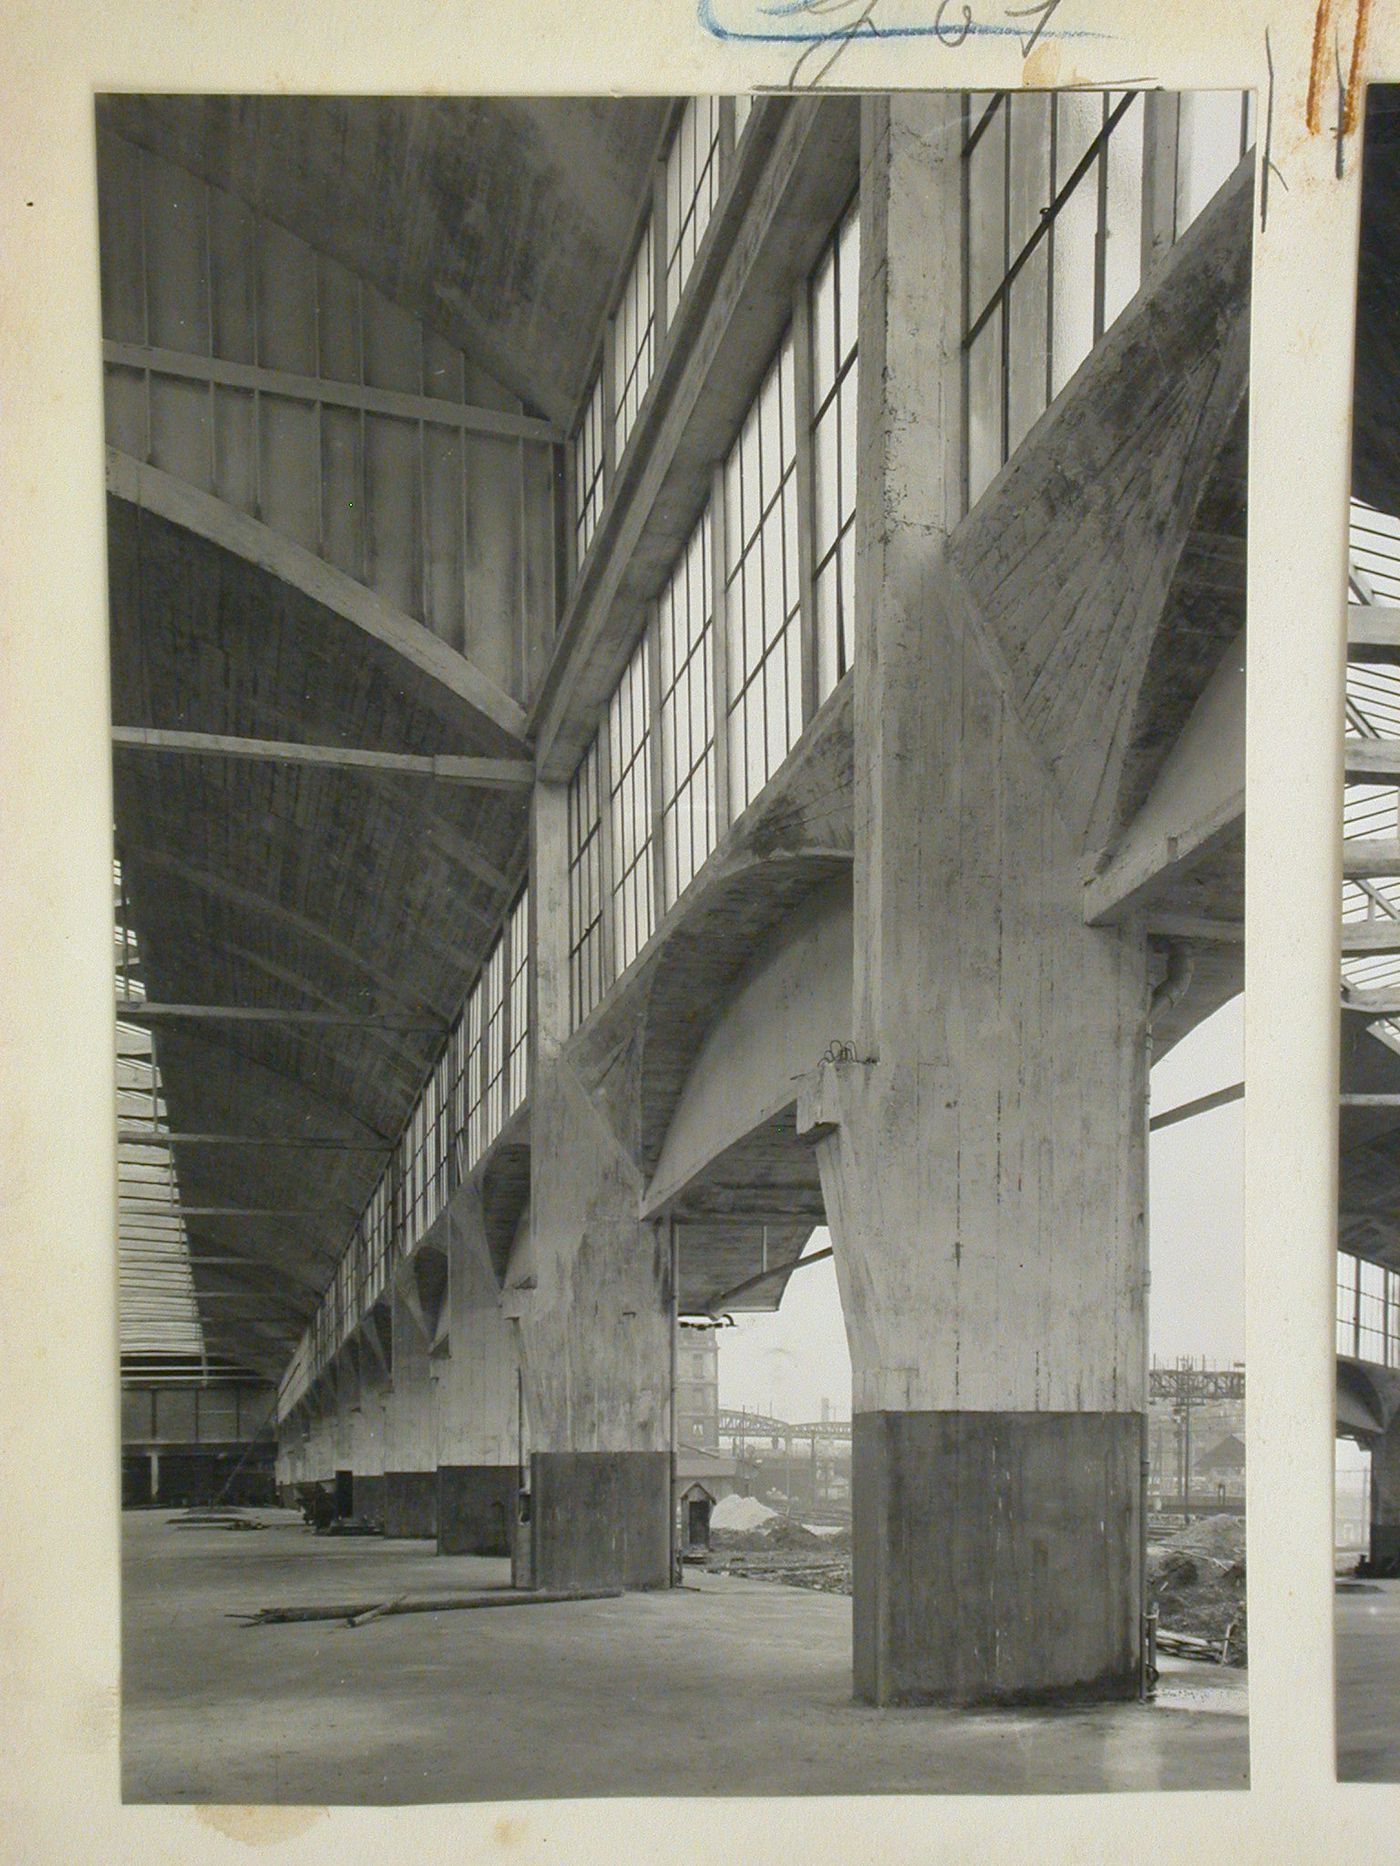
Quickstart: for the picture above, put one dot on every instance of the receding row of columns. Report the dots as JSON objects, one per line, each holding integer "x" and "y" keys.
{"x": 982, "y": 1157}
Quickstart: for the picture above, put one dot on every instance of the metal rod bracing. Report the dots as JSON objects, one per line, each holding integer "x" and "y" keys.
{"x": 1202, "y": 1104}
{"x": 135, "y": 1137}
{"x": 447, "y": 768}
{"x": 766, "y": 1276}
{"x": 143, "y": 1010}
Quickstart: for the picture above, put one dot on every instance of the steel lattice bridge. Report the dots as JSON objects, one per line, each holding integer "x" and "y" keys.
{"x": 739, "y": 1425}
{"x": 1198, "y": 1385}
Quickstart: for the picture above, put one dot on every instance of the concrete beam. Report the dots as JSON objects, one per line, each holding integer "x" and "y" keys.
{"x": 221, "y": 524}
{"x": 144, "y": 1011}
{"x": 137, "y": 1137}
{"x": 1373, "y": 633}
{"x": 433, "y": 409}
{"x": 1370, "y": 936}
{"x": 1372, "y": 761}
{"x": 1196, "y": 926}
{"x": 1202, "y": 1104}
{"x": 1371, "y": 858}
{"x": 1371, "y": 1003}
{"x": 482, "y": 773}
{"x": 1196, "y": 803}
{"x": 793, "y": 1001}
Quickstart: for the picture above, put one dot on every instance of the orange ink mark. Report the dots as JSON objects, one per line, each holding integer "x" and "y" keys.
{"x": 1319, "y": 65}
{"x": 1358, "y": 51}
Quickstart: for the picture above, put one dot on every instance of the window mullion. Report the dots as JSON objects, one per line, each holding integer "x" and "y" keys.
{"x": 655, "y": 773}
{"x": 1101, "y": 223}
{"x": 724, "y": 154}
{"x": 660, "y": 263}
{"x": 719, "y": 649}
{"x": 806, "y": 492}
{"x": 609, "y": 435}
{"x": 607, "y": 856}
{"x": 1160, "y": 133}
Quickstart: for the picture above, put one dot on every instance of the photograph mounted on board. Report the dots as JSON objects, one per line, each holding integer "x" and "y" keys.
{"x": 1368, "y": 1220}
{"x": 678, "y": 739}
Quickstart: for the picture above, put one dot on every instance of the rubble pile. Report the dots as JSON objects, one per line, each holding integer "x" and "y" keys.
{"x": 779, "y": 1548}
{"x": 1196, "y": 1578}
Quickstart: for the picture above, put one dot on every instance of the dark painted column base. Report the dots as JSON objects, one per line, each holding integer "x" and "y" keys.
{"x": 369, "y": 1499}
{"x": 600, "y": 1519}
{"x": 476, "y": 1508}
{"x": 1385, "y": 1543}
{"x": 410, "y": 1503}
{"x": 996, "y": 1556}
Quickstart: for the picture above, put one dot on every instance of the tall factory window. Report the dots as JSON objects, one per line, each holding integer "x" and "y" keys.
{"x": 585, "y": 832}
{"x": 834, "y": 295}
{"x": 629, "y": 741}
{"x": 588, "y": 471}
{"x": 761, "y": 586}
{"x": 1067, "y": 198}
{"x": 1368, "y": 1311}
{"x": 685, "y": 643}
{"x": 633, "y": 333}
{"x": 692, "y": 188}
{"x": 474, "y": 1019}
{"x": 457, "y": 1052}
{"x": 495, "y": 1001}
{"x": 518, "y": 1001}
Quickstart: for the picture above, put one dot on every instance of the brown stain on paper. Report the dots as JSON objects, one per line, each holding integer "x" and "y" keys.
{"x": 260, "y": 1826}
{"x": 1042, "y": 68}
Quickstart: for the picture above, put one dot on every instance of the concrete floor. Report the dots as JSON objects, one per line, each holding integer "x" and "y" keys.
{"x": 1367, "y": 1622}
{"x": 725, "y": 1687}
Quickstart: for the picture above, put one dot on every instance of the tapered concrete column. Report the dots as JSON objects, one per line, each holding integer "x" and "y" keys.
{"x": 410, "y": 1460}
{"x": 596, "y": 1328}
{"x": 478, "y": 1424}
{"x": 983, "y": 1154}
{"x": 1385, "y": 1493}
{"x": 370, "y": 1399}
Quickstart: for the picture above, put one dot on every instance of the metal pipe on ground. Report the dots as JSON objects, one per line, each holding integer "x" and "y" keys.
{"x": 357, "y": 1611}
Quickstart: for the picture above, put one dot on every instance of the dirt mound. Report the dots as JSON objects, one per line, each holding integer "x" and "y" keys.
{"x": 1197, "y": 1580}
{"x": 740, "y": 1513}
{"x": 1221, "y": 1537}
{"x": 785, "y": 1533}
{"x": 775, "y": 1532}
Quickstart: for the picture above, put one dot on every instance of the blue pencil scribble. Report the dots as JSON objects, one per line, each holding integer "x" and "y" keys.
{"x": 806, "y": 21}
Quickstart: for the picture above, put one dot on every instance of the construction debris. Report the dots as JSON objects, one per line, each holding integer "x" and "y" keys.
{"x": 1196, "y": 1580}
{"x": 376, "y": 1613}
{"x": 213, "y": 1519}
{"x": 358, "y": 1613}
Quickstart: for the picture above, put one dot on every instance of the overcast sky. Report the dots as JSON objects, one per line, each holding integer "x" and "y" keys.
{"x": 788, "y": 1363}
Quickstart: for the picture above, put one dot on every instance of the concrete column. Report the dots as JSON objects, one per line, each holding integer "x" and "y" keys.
{"x": 596, "y": 1328}
{"x": 477, "y": 1474}
{"x": 1385, "y": 1493}
{"x": 320, "y": 1446}
{"x": 983, "y": 1153}
{"x": 410, "y": 1461}
{"x": 368, "y": 1429}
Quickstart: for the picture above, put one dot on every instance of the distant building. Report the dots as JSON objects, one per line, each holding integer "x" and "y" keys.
{"x": 697, "y": 1389}
{"x": 1208, "y": 1436}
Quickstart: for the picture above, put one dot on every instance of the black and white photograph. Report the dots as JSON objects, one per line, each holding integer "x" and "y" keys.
{"x": 677, "y": 702}
{"x": 1368, "y": 1224}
